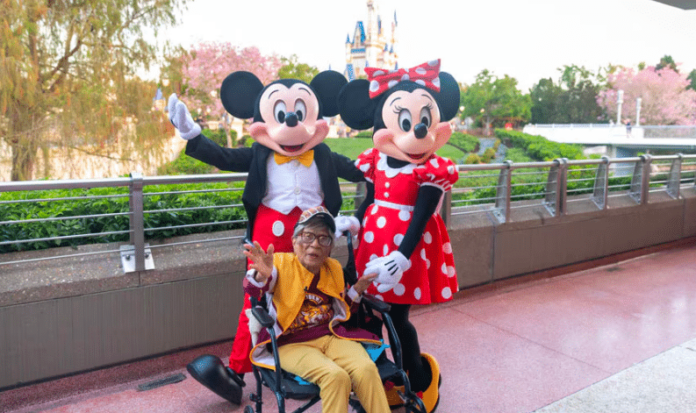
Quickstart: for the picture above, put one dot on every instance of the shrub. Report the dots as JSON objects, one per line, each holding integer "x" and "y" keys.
{"x": 185, "y": 165}
{"x": 538, "y": 147}
{"x": 464, "y": 142}
{"x": 218, "y": 136}
{"x": 472, "y": 158}
{"x": 365, "y": 134}
{"x": 488, "y": 155}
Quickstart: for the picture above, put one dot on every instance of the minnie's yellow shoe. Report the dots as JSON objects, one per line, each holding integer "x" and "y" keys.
{"x": 393, "y": 397}
{"x": 431, "y": 395}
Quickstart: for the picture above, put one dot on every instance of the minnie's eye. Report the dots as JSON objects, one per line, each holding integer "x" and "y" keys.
{"x": 279, "y": 111}
{"x": 425, "y": 116}
{"x": 300, "y": 110}
{"x": 405, "y": 120}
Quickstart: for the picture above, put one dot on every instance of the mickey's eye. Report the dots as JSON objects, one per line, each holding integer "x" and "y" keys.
{"x": 425, "y": 116}
{"x": 300, "y": 110}
{"x": 405, "y": 120}
{"x": 279, "y": 111}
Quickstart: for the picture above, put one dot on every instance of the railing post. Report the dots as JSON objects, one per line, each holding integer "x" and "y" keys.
{"x": 552, "y": 196}
{"x": 360, "y": 194}
{"x": 563, "y": 187}
{"x": 137, "y": 220}
{"x": 640, "y": 183}
{"x": 503, "y": 193}
{"x": 674, "y": 179}
{"x": 446, "y": 208}
{"x": 601, "y": 184}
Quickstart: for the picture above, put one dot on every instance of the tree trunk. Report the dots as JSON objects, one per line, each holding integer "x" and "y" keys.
{"x": 23, "y": 159}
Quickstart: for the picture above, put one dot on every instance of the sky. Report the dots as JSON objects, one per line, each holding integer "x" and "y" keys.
{"x": 525, "y": 39}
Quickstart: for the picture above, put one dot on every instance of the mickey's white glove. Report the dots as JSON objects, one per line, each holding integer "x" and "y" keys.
{"x": 389, "y": 270}
{"x": 181, "y": 118}
{"x": 346, "y": 223}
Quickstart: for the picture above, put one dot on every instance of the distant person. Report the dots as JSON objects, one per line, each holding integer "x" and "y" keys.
{"x": 628, "y": 128}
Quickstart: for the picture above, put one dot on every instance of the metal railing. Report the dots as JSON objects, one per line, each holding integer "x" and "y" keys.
{"x": 502, "y": 190}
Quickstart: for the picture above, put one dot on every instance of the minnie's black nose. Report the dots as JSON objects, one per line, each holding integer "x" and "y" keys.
{"x": 420, "y": 130}
{"x": 291, "y": 119}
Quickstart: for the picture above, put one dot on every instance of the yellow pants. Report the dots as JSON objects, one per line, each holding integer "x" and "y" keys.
{"x": 336, "y": 365}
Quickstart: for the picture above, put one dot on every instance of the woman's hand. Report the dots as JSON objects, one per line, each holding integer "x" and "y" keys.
{"x": 364, "y": 282}
{"x": 262, "y": 261}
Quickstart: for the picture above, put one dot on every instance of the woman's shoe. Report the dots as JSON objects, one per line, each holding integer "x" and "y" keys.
{"x": 431, "y": 395}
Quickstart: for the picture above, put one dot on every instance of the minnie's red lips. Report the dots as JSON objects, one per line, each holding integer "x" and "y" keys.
{"x": 291, "y": 148}
{"x": 417, "y": 155}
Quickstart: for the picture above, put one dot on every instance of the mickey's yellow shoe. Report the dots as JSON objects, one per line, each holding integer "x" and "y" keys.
{"x": 431, "y": 395}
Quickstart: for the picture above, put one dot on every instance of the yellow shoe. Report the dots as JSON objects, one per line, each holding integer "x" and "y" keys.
{"x": 431, "y": 395}
{"x": 393, "y": 397}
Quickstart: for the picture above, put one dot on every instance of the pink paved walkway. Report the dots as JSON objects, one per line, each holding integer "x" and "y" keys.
{"x": 513, "y": 349}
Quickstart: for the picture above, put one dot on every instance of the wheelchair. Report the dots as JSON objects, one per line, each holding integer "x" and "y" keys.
{"x": 372, "y": 316}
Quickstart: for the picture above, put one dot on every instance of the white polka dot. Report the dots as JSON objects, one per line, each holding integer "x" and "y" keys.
{"x": 420, "y": 82}
{"x": 427, "y": 238}
{"x": 386, "y": 194}
{"x": 422, "y": 254}
{"x": 369, "y": 237}
{"x": 427, "y": 263}
{"x": 433, "y": 63}
{"x": 451, "y": 272}
{"x": 393, "y": 71}
{"x": 434, "y": 163}
{"x": 398, "y": 238}
{"x": 450, "y": 169}
{"x": 385, "y": 250}
{"x": 393, "y": 83}
{"x": 444, "y": 268}
{"x": 379, "y": 297}
{"x": 365, "y": 167}
{"x": 374, "y": 86}
{"x": 404, "y": 215}
{"x": 278, "y": 228}
{"x": 374, "y": 210}
{"x": 373, "y": 257}
{"x": 446, "y": 293}
{"x": 399, "y": 289}
{"x": 381, "y": 222}
{"x": 420, "y": 71}
{"x": 436, "y": 82}
{"x": 417, "y": 293}
{"x": 387, "y": 185}
{"x": 378, "y": 73}
{"x": 447, "y": 248}
{"x": 405, "y": 77}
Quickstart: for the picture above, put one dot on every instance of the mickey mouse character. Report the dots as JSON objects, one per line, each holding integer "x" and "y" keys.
{"x": 403, "y": 238}
{"x": 290, "y": 170}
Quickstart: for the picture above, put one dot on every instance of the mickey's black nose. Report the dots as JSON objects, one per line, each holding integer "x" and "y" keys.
{"x": 291, "y": 119}
{"x": 420, "y": 130}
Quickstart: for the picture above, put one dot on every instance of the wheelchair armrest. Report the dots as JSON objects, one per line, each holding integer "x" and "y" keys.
{"x": 262, "y": 315}
{"x": 375, "y": 304}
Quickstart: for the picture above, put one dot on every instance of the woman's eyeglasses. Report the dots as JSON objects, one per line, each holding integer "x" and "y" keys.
{"x": 309, "y": 237}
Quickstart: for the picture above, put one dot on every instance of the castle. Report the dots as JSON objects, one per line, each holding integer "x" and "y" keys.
{"x": 372, "y": 45}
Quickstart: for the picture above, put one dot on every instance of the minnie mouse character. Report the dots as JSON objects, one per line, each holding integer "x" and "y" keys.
{"x": 290, "y": 170}
{"x": 403, "y": 238}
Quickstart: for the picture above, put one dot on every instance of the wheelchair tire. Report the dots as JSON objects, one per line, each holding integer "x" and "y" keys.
{"x": 248, "y": 409}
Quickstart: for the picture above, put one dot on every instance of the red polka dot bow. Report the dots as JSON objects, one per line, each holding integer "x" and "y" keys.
{"x": 382, "y": 80}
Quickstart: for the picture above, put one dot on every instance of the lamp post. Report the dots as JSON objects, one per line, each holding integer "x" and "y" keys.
{"x": 619, "y": 102}
{"x": 638, "y": 102}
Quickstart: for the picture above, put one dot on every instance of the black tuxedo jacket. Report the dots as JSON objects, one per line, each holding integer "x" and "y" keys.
{"x": 253, "y": 160}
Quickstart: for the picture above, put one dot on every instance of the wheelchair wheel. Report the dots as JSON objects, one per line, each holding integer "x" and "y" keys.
{"x": 248, "y": 409}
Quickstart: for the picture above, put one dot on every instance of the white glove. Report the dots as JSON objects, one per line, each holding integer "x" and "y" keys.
{"x": 346, "y": 223}
{"x": 389, "y": 270}
{"x": 181, "y": 118}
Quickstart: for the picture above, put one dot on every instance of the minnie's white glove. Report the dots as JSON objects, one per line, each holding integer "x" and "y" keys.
{"x": 181, "y": 118}
{"x": 389, "y": 270}
{"x": 346, "y": 223}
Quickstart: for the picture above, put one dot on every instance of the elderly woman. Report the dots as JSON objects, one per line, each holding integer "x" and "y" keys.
{"x": 307, "y": 297}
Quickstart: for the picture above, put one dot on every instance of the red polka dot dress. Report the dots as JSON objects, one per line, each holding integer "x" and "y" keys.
{"x": 432, "y": 276}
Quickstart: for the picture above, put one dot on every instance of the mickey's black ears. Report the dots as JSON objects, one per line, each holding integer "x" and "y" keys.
{"x": 355, "y": 106}
{"x": 327, "y": 85}
{"x": 238, "y": 94}
{"x": 448, "y": 97}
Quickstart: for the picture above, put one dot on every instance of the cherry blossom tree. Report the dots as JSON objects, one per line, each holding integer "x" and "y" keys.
{"x": 665, "y": 97}
{"x": 205, "y": 67}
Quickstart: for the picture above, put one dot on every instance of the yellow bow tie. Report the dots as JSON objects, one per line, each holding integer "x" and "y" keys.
{"x": 305, "y": 159}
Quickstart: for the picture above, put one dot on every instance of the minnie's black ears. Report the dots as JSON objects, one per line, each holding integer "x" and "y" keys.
{"x": 326, "y": 86}
{"x": 356, "y": 108}
{"x": 448, "y": 97}
{"x": 238, "y": 94}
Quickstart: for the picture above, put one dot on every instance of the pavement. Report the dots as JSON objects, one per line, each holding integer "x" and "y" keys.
{"x": 617, "y": 338}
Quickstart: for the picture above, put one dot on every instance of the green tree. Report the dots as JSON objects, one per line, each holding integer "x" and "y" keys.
{"x": 692, "y": 80}
{"x": 292, "y": 69}
{"x": 493, "y": 100}
{"x": 666, "y": 61}
{"x": 67, "y": 77}
{"x": 572, "y": 99}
